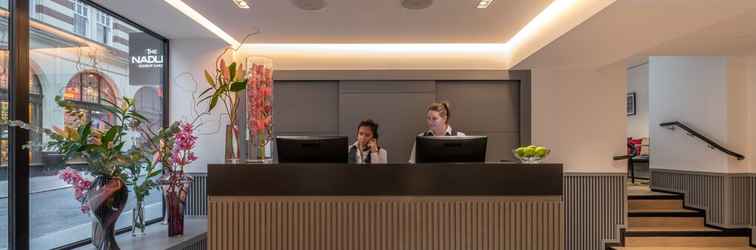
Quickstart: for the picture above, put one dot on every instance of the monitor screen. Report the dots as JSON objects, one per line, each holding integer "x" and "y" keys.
{"x": 312, "y": 149}
{"x": 431, "y": 149}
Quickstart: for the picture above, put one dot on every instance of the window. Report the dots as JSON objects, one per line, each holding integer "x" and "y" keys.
{"x": 61, "y": 65}
{"x": 90, "y": 78}
{"x": 104, "y": 28}
{"x": 4, "y": 108}
{"x": 91, "y": 90}
{"x": 81, "y": 18}
{"x": 33, "y": 9}
{"x": 35, "y": 108}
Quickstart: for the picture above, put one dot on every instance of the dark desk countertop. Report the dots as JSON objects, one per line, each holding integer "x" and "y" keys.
{"x": 469, "y": 179}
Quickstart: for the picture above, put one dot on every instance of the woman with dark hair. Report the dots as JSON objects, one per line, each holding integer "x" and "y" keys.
{"x": 437, "y": 118}
{"x": 366, "y": 149}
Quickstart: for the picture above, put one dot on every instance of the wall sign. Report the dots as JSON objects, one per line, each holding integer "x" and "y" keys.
{"x": 146, "y": 60}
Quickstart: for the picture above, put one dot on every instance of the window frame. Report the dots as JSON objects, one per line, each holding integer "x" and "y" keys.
{"x": 107, "y": 27}
{"x": 81, "y": 12}
{"x": 19, "y": 30}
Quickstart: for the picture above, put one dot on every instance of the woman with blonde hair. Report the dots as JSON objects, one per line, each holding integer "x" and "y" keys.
{"x": 437, "y": 117}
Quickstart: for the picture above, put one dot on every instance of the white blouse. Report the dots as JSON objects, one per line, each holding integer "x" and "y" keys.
{"x": 380, "y": 157}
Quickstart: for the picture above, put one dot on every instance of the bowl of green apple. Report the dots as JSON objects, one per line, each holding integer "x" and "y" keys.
{"x": 531, "y": 154}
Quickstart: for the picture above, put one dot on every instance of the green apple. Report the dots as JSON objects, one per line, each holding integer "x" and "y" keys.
{"x": 520, "y": 152}
{"x": 541, "y": 152}
{"x": 529, "y": 152}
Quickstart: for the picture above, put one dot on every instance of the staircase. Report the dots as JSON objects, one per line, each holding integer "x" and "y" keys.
{"x": 659, "y": 221}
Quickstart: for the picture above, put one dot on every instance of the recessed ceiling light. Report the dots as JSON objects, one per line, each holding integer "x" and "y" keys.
{"x": 484, "y": 4}
{"x": 241, "y": 4}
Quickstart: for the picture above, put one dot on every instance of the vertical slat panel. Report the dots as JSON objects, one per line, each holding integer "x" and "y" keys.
{"x": 595, "y": 209}
{"x": 196, "y": 202}
{"x": 727, "y": 198}
{"x": 588, "y": 218}
{"x": 303, "y": 223}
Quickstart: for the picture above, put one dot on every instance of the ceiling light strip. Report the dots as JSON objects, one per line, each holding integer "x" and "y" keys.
{"x": 548, "y": 15}
{"x": 379, "y": 48}
{"x": 199, "y": 18}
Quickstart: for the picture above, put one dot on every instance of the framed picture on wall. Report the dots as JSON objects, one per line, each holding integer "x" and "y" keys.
{"x": 631, "y": 104}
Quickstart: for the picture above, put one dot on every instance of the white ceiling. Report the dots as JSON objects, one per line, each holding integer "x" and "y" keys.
{"x": 342, "y": 21}
{"x": 630, "y": 30}
{"x": 158, "y": 16}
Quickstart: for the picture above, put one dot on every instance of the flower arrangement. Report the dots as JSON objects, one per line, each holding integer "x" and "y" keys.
{"x": 176, "y": 182}
{"x": 114, "y": 161}
{"x": 79, "y": 184}
{"x": 185, "y": 140}
{"x": 112, "y": 166}
{"x": 225, "y": 84}
{"x": 260, "y": 104}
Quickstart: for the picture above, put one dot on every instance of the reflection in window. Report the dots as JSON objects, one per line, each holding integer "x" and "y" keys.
{"x": 91, "y": 90}
{"x": 35, "y": 112}
{"x": 104, "y": 28}
{"x": 81, "y": 18}
{"x": 90, "y": 75}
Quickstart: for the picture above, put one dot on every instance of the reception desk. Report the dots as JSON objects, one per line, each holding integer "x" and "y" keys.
{"x": 395, "y": 206}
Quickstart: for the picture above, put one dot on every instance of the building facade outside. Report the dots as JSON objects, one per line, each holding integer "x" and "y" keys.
{"x": 85, "y": 55}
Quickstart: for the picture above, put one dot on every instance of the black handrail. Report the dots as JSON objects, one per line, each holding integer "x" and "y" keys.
{"x": 622, "y": 157}
{"x": 711, "y": 143}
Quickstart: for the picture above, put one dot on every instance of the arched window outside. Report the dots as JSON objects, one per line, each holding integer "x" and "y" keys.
{"x": 35, "y": 112}
{"x": 91, "y": 90}
{"x": 148, "y": 102}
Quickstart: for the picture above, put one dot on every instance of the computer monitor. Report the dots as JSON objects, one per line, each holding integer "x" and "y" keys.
{"x": 431, "y": 149}
{"x": 312, "y": 149}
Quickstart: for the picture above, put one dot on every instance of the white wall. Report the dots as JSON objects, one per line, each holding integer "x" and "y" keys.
{"x": 637, "y": 81}
{"x": 750, "y": 109}
{"x": 706, "y": 93}
{"x": 189, "y": 58}
{"x": 580, "y": 115}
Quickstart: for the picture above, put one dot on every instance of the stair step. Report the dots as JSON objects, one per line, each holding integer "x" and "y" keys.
{"x": 655, "y": 204}
{"x": 654, "y": 196}
{"x": 665, "y": 221}
{"x": 683, "y": 248}
{"x": 662, "y": 230}
{"x": 665, "y": 213}
{"x": 687, "y": 241}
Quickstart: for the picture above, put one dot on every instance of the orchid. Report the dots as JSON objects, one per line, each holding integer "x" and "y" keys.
{"x": 185, "y": 141}
{"x": 79, "y": 184}
{"x": 260, "y": 106}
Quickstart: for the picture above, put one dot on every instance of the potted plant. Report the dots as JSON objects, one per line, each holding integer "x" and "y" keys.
{"x": 113, "y": 161}
{"x": 226, "y": 84}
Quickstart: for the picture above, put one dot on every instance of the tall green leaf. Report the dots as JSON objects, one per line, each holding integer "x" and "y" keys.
{"x": 205, "y": 92}
{"x": 214, "y": 101}
{"x": 231, "y": 71}
{"x": 84, "y": 132}
{"x": 209, "y": 78}
{"x": 238, "y": 86}
{"x": 108, "y": 137}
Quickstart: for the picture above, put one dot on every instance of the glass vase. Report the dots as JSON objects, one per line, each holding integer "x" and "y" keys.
{"x": 259, "y": 96}
{"x": 176, "y": 195}
{"x": 232, "y": 146}
{"x": 138, "y": 224}
{"x": 164, "y": 181}
{"x": 106, "y": 198}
